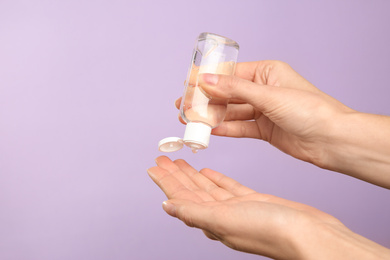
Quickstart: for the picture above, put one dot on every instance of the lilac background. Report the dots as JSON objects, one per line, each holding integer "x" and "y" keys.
{"x": 87, "y": 90}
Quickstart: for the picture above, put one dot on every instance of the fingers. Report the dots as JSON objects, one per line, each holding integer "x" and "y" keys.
{"x": 178, "y": 102}
{"x": 231, "y": 101}
{"x": 248, "y": 129}
{"x": 184, "y": 210}
{"x": 247, "y": 70}
{"x": 227, "y": 183}
{"x": 235, "y": 111}
{"x": 166, "y": 163}
{"x": 228, "y": 87}
{"x": 244, "y": 70}
{"x": 181, "y": 119}
{"x": 204, "y": 183}
{"x": 210, "y": 235}
{"x": 179, "y": 180}
{"x": 241, "y": 112}
{"x": 171, "y": 186}
{"x": 192, "y": 214}
{"x": 265, "y": 73}
{"x": 237, "y": 128}
{"x": 182, "y": 176}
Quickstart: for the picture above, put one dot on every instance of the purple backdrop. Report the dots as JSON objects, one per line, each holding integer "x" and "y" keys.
{"x": 87, "y": 90}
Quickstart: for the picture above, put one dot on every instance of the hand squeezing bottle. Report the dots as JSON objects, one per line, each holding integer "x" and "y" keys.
{"x": 212, "y": 54}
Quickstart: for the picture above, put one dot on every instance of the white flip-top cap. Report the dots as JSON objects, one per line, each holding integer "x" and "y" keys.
{"x": 196, "y": 136}
{"x": 170, "y": 144}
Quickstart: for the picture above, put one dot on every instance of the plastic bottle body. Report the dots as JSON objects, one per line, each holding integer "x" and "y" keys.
{"x": 197, "y": 106}
{"x": 212, "y": 54}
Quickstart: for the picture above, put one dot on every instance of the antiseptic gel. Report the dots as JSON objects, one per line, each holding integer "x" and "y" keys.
{"x": 212, "y": 54}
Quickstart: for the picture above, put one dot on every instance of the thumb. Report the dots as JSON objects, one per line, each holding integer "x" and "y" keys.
{"x": 232, "y": 87}
{"x": 191, "y": 213}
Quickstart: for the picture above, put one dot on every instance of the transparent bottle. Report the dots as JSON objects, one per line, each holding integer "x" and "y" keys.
{"x": 213, "y": 54}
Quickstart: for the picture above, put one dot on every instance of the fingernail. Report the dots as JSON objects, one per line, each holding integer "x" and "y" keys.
{"x": 169, "y": 208}
{"x": 210, "y": 79}
{"x": 150, "y": 173}
{"x": 176, "y": 102}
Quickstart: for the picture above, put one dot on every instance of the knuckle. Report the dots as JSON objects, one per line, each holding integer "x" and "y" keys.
{"x": 178, "y": 161}
{"x": 234, "y": 82}
{"x": 230, "y": 84}
{"x": 281, "y": 64}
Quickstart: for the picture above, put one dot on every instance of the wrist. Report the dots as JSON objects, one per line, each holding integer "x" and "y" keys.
{"x": 335, "y": 241}
{"x": 358, "y": 144}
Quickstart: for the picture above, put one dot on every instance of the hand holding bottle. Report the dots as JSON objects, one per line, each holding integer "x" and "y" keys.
{"x": 272, "y": 102}
{"x": 253, "y": 222}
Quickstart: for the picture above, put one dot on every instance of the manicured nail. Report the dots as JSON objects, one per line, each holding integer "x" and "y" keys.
{"x": 169, "y": 208}
{"x": 210, "y": 79}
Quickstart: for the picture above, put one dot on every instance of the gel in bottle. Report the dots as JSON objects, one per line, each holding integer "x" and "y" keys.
{"x": 213, "y": 54}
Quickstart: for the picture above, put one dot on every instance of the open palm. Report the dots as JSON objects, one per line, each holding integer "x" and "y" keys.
{"x": 238, "y": 216}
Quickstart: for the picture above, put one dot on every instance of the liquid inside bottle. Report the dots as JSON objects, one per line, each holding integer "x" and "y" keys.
{"x": 196, "y": 105}
{"x": 213, "y": 54}
{"x": 216, "y": 55}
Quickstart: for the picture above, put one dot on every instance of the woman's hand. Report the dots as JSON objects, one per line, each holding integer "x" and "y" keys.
{"x": 248, "y": 221}
{"x": 272, "y": 102}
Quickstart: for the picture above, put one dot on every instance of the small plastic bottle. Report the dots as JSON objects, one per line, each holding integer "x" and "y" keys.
{"x": 213, "y": 54}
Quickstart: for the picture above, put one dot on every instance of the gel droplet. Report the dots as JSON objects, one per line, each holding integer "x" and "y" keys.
{"x": 194, "y": 150}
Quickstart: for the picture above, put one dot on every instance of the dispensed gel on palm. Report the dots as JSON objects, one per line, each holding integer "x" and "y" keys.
{"x": 213, "y": 54}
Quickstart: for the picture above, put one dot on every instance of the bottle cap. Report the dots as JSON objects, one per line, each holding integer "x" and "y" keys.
{"x": 196, "y": 136}
{"x": 170, "y": 144}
